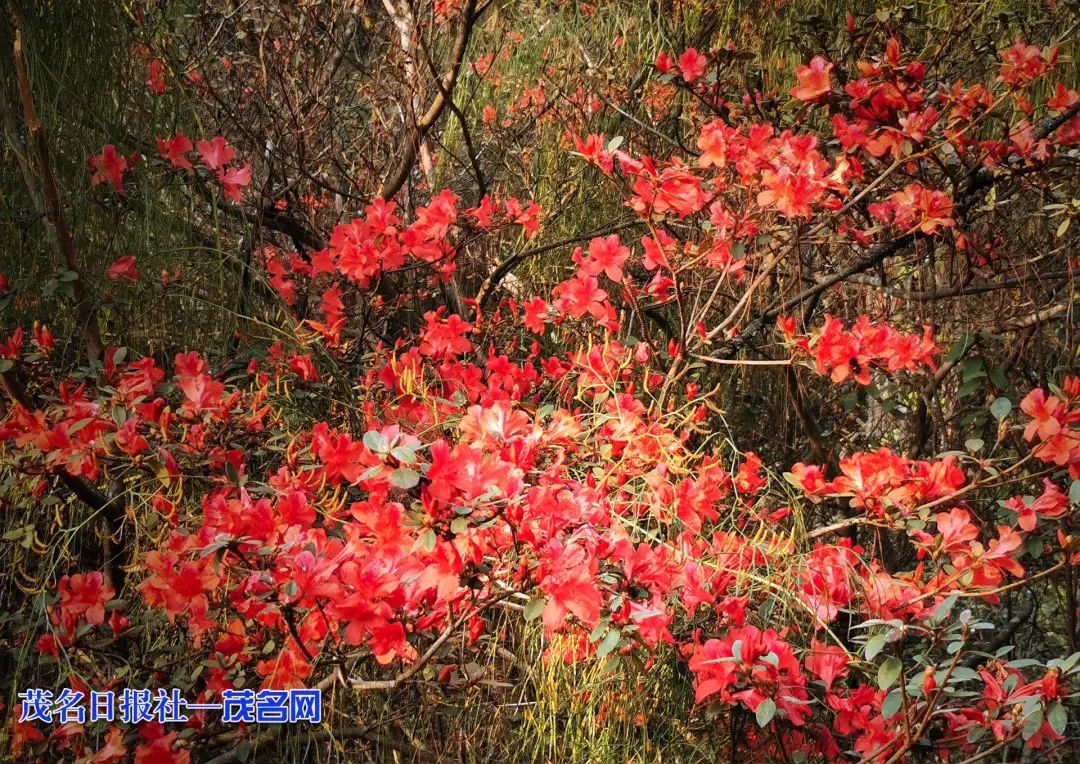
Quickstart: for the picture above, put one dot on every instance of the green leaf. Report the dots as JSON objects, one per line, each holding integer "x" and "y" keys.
{"x": 18, "y": 533}
{"x": 1074, "y": 492}
{"x": 534, "y": 607}
{"x": 973, "y": 368}
{"x": 1058, "y": 718}
{"x": 1032, "y": 724}
{"x": 891, "y": 704}
{"x": 967, "y": 388}
{"x": 403, "y": 455}
{"x": 889, "y": 672}
{"x": 942, "y": 611}
{"x": 609, "y": 643}
{"x": 372, "y": 472}
{"x": 376, "y": 441}
{"x": 404, "y": 478}
{"x": 957, "y": 348}
{"x": 1021, "y": 663}
{"x": 1000, "y": 408}
{"x": 874, "y": 645}
{"x": 1070, "y": 663}
{"x": 736, "y": 650}
{"x": 766, "y": 710}
{"x": 964, "y": 674}
{"x": 974, "y": 444}
{"x": 1001, "y": 382}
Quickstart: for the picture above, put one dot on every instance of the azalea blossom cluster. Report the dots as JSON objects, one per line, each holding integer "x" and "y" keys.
{"x": 1052, "y": 426}
{"x": 215, "y": 154}
{"x": 843, "y": 354}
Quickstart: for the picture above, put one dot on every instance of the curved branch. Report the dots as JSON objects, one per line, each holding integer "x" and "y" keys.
{"x": 487, "y": 289}
{"x": 396, "y": 179}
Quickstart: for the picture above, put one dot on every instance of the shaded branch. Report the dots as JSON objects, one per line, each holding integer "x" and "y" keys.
{"x": 960, "y": 290}
{"x": 922, "y": 408}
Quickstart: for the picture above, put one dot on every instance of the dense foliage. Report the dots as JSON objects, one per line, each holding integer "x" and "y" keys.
{"x": 562, "y": 382}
